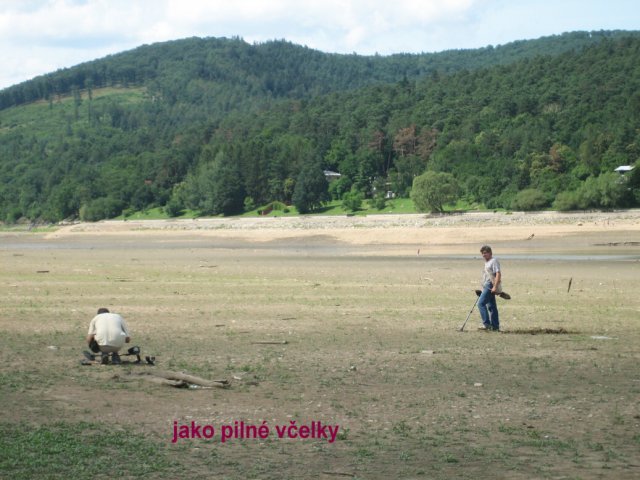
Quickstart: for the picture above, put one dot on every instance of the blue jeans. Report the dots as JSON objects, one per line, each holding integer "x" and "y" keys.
{"x": 489, "y": 308}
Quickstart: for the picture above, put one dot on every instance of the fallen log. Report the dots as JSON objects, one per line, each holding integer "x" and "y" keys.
{"x": 164, "y": 381}
{"x": 176, "y": 379}
{"x": 192, "y": 379}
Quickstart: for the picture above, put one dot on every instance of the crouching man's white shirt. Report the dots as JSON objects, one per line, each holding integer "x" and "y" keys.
{"x": 109, "y": 329}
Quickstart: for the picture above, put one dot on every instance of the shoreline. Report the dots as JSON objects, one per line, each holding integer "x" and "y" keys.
{"x": 584, "y": 233}
{"x": 374, "y": 229}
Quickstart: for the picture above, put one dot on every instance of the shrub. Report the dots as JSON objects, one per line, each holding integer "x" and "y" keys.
{"x": 100, "y": 208}
{"x": 174, "y": 208}
{"x": 566, "y": 201}
{"x": 379, "y": 202}
{"x": 352, "y": 200}
{"x": 530, "y": 199}
{"x": 249, "y": 204}
{"x": 278, "y": 206}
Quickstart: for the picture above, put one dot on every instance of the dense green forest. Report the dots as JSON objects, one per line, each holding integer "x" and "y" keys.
{"x": 219, "y": 126}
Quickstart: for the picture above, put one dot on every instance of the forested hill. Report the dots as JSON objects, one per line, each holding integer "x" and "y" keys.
{"x": 219, "y": 126}
{"x": 275, "y": 69}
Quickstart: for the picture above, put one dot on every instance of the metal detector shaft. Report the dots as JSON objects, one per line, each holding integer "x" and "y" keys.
{"x": 467, "y": 319}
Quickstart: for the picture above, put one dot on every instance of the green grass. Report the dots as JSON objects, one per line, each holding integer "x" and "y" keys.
{"x": 398, "y": 205}
{"x": 403, "y": 205}
{"x": 22, "y": 380}
{"x": 156, "y": 213}
{"x": 79, "y": 450}
{"x": 55, "y": 116}
{"x": 393, "y": 206}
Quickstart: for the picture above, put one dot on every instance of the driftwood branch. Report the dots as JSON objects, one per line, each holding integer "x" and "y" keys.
{"x": 163, "y": 381}
{"x": 192, "y": 379}
{"x": 180, "y": 380}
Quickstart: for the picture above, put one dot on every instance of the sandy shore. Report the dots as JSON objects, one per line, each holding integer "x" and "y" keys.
{"x": 419, "y": 229}
{"x": 335, "y": 319}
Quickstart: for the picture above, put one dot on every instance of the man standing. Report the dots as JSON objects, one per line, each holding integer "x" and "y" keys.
{"x": 108, "y": 333}
{"x": 491, "y": 285}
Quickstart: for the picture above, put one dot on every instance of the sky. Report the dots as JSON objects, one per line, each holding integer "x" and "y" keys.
{"x": 41, "y": 36}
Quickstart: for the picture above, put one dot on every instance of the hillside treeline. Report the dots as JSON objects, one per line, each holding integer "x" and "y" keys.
{"x": 531, "y": 133}
{"x": 275, "y": 69}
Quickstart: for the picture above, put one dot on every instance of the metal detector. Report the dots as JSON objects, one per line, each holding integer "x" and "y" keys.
{"x": 90, "y": 357}
{"x": 504, "y": 295}
{"x": 474, "y": 306}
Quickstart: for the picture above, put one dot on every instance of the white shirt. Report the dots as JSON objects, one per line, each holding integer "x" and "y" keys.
{"x": 491, "y": 267}
{"x": 109, "y": 329}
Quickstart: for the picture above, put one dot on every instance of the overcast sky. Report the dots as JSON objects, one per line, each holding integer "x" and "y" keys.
{"x": 41, "y": 36}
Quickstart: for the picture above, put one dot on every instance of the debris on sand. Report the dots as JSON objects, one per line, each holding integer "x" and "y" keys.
{"x": 538, "y": 331}
{"x": 618, "y": 244}
{"x": 180, "y": 380}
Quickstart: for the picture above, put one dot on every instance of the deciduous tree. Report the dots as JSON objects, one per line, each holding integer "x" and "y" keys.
{"x": 432, "y": 190}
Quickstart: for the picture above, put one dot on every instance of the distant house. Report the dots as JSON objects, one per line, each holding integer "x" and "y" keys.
{"x": 331, "y": 176}
{"x": 622, "y": 169}
{"x": 388, "y": 192}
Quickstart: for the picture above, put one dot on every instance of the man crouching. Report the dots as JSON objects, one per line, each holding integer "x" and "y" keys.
{"x": 107, "y": 334}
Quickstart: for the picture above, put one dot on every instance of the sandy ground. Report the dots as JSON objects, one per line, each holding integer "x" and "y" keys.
{"x": 444, "y": 229}
{"x": 370, "y": 309}
{"x": 515, "y": 232}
